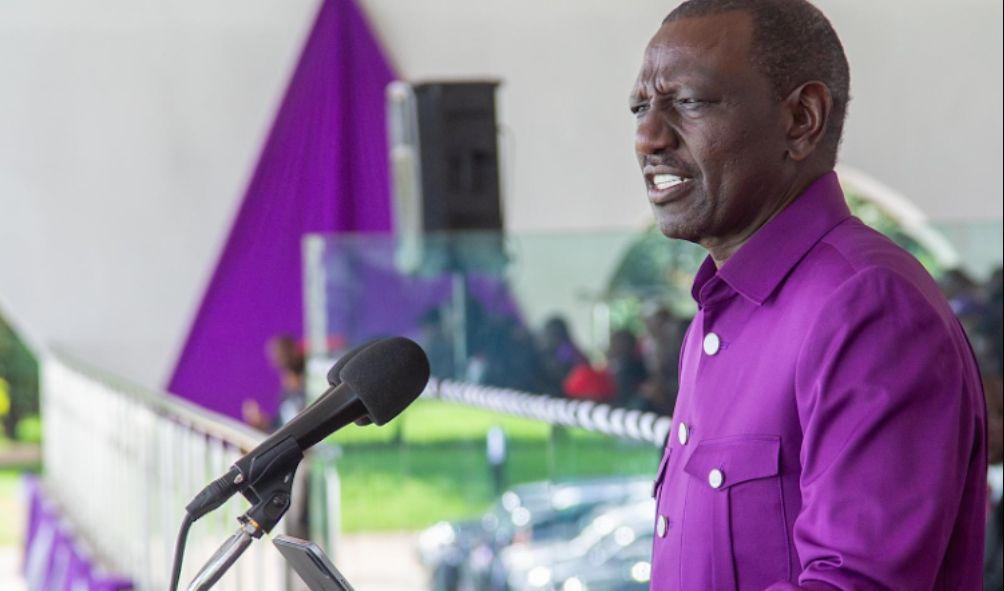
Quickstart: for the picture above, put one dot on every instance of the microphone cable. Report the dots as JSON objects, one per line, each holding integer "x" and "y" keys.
{"x": 179, "y": 549}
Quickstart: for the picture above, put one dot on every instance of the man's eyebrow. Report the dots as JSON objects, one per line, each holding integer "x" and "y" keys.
{"x": 650, "y": 91}
{"x": 668, "y": 84}
{"x": 637, "y": 94}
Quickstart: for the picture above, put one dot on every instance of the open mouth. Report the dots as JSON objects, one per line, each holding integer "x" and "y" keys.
{"x": 663, "y": 182}
{"x": 664, "y": 187}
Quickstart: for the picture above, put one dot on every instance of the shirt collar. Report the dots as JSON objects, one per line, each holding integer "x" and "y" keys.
{"x": 759, "y": 266}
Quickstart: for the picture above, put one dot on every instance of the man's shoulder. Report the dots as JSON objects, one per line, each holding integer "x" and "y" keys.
{"x": 855, "y": 262}
{"x": 875, "y": 298}
{"x": 853, "y": 251}
{"x": 861, "y": 247}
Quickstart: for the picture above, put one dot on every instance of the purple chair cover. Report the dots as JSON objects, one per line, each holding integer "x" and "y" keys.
{"x": 54, "y": 560}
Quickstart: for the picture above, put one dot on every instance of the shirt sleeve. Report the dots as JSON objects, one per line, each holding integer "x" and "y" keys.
{"x": 889, "y": 430}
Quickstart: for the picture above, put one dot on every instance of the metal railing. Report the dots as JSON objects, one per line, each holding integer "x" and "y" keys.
{"x": 122, "y": 462}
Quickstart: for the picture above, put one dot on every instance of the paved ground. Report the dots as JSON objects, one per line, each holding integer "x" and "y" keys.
{"x": 15, "y": 455}
{"x": 371, "y": 562}
{"x": 10, "y": 567}
{"x": 381, "y": 562}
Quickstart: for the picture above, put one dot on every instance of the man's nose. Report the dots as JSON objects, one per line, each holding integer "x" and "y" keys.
{"x": 654, "y": 134}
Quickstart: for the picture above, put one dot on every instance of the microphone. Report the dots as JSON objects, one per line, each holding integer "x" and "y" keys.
{"x": 334, "y": 374}
{"x": 375, "y": 382}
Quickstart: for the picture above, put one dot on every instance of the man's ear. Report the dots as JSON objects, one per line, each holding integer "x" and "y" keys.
{"x": 807, "y": 110}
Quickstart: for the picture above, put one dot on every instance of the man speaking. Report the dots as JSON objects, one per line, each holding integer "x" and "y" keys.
{"x": 830, "y": 427}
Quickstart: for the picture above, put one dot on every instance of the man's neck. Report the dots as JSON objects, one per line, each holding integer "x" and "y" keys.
{"x": 721, "y": 250}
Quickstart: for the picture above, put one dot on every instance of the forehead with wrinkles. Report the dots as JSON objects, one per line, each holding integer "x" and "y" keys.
{"x": 712, "y": 48}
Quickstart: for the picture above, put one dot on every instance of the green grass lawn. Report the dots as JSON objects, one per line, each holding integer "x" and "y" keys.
{"x": 428, "y": 421}
{"x": 430, "y": 464}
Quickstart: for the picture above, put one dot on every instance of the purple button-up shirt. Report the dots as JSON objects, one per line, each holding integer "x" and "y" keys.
{"x": 830, "y": 427}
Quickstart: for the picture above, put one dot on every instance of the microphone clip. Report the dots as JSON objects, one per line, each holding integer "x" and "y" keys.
{"x": 268, "y": 483}
{"x": 266, "y": 480}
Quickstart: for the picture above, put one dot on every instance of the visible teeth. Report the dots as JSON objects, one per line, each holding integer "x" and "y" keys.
{"x": 665, "y": 181}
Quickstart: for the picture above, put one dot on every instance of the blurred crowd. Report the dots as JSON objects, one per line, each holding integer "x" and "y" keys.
{"x": 639, "y": 369}
{"x": 636, "y": 371}
{"x": 979, "y": 308}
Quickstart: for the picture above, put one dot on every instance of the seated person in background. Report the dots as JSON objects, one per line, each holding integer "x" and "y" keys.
{"x": 992, "y": 322}
{"x": 510, "y": 355}
{"x": 989, "y": 328}
{"x": 560, "y": 353}
{"x": 589, "y": 383}
{"x": 626, "y": 366}
{"x": 993, "y": 563}
{"x": 661, "y": 350}
{"x": 287, "y": 359}
{"x": 960, "y": 290}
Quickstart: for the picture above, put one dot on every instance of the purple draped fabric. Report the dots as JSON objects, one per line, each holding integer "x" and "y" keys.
{"x": 322, "y": 169}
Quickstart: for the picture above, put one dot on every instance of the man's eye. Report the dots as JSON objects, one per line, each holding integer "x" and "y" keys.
{"x": 690, "y": 103}
{"x": 639, "y": 109}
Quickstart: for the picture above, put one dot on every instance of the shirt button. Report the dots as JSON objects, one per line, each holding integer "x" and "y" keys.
{"x": 661, "y": 525}
{"x": 716, "y": 478}
{"x": 711, "y": 343}
{"x": 683, "y": 433}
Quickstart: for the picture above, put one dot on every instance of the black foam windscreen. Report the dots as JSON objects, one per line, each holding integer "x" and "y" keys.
{"x": 387, "y": 376}
{"x": 334, "y": 374}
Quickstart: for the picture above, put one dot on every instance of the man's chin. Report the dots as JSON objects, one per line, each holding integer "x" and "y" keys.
{"x": 677, "y": 229}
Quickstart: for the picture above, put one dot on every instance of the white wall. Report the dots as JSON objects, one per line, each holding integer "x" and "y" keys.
{"x": 128, "y": 130}
{"x": 926, "y": 116}
{"x": 926, "y": 107}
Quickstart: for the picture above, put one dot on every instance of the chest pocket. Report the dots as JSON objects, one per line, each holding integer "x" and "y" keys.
{"x": 734, "y": 521}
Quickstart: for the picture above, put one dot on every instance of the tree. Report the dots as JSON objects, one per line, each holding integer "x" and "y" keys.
{"x": 19, "y": 369}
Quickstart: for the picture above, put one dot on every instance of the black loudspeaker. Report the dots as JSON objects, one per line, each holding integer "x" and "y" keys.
{"x": 445, "y": 164}
{"x": 458, "y": 142}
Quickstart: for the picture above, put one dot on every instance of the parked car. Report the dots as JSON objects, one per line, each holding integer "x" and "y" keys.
{"x": 464, "y": 556}
{"x": 607, "y": 527}
{"x": 624, "y": 568}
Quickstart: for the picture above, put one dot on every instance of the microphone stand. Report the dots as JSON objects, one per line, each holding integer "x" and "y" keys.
{"x": 269, "y": 489}
{"x": 224, "y": 558}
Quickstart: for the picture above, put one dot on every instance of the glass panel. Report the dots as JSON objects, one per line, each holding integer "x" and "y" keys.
{"x": 529, "y": 313}
{"x": 506, "y": 488}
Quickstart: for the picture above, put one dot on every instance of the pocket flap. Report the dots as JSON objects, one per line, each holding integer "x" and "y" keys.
{"x": 740, "y": 458}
